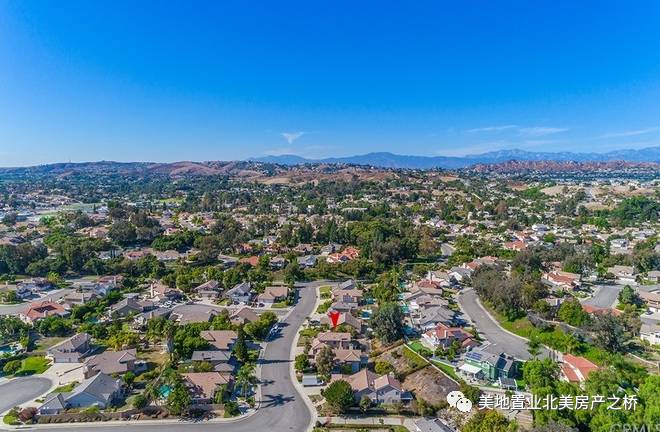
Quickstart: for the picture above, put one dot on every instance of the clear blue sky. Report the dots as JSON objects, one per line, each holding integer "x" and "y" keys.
{"x": 165, "y": 81}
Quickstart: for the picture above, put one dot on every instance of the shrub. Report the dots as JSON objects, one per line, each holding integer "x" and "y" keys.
{"x": 12, "y": 366}
{"x": 231, "y": 409}
{"x": 139, "y": 402}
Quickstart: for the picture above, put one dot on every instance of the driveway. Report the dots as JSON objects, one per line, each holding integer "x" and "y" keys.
{"x": 605, "y": 296}
{"x": 282, "y": 407}
{"x": 22, "y": 389}
{"x": 489, "y": 329}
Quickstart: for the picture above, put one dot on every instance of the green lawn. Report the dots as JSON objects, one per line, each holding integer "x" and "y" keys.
{"x": 65, "y": 388}
{"x": 446, "y": 369}
{"x": 280, "y": 305}
{"x": 43, "y": 343}
{"x": 323, "y": 307}
{"x": 33, "y": 365}
{"x": 325, "y": 291}
{"x": 555, "y": 338}
{"x": 414, "y": 360}
{"x": 416, "y": 346}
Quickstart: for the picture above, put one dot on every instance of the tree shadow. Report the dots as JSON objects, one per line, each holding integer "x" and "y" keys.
{"x": 275, "y": 400}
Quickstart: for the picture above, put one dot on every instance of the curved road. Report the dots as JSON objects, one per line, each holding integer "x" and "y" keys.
{"x": 282, "y": 407}
{"x": 490, "y": 330}
{"x": 20, "y": 390}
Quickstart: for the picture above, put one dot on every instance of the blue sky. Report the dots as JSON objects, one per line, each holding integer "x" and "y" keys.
{"x": 166, "y": 81}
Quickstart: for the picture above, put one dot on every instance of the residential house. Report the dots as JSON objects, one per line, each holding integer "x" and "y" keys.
{"x": 650, "y": 333}
{"x": 70, "y": 350}
{"x": 344, "y": 319}
{"x": 333, "y": 340}
{"x": 517, "y": 245}
{"x": 576, "y": 369}
{"x": 103, "y": 285}
{"x": 209, "y": 290}
{"x": 651, "y": 295}
{"x": 100, "y": 390}
{"x": 346, "y": 297}
{"x": 160, "y": 292}
{"x": 653, "y": 276}
{"x": 595, "y": 310}
{"x": 350, "y": 359}
{"x": 193, "y": 313}
{"x": 307, "y": 261}
{"x": 220, "y": 339}
{"x": 78, "y": 298}
{"x": 111, "y": 362}
{"x": 562, "y": 280}
{"x": 140, "y": 320}
{"x": 490, "y": 366}
{"x": 623, "y": 274}
{"x": 273, "y": 294}
{"x": 385, "y": 389}
{"x": 240, "y": 293}
{"x": 432, "y": 425}
{"x": 204, "y": 385}
{"x": 242, "y": 315}
{"x": 348, "y": 354}
{"x": 42, "y": 309}
{"x": 36, "y": 285}
{"x": 253, "y": 260}
{"x": 428, "y": 318}
{"x": 443, "y": 336}
{"x": 277, "y": 263}
{"x": 130, "y": 305}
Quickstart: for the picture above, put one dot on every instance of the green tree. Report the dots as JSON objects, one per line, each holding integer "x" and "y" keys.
{"x": 179, "y": 400}
{"x": 240, "y": 349}
{"x": 339, "y": 396}
{"x": 609, "y": 332}
{"x": 12, "y": 366}
{"x": 245, "y": 378}
{"x": 139, "y": 401}
{"x": 365, "y": 403}
{"x": 325, "y": 360}
{"x": 571, "y": 312}
{"x": 487, "y": 421}
{"x": 387, "y": 323}
{"x": 540, "y": 373}
{"x": 534, "y": 346}
{"x": 129, "y": 378}
{"x": 629, "y": 296}
{"x": 302, "y": 362}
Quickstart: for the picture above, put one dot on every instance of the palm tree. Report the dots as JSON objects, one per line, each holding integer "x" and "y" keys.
{"x": 572, "y": 343}
{"x": 245, "y": 378}
{"x": 534, "y": 346}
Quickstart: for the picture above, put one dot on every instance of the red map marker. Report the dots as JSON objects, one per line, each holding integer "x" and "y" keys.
{"x": 334, "y": 317}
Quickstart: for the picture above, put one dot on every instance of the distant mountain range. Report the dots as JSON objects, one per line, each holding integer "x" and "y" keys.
{"x": 390, "y": 160}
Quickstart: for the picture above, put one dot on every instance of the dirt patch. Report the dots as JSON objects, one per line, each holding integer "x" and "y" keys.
{"x": 430, "y": 385}
{"x": 396, "y": 358}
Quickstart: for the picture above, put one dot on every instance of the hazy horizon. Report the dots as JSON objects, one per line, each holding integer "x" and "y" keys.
{"x": 163, "y": 82}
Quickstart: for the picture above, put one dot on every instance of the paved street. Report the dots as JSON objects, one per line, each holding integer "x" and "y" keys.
{"x": 282, "y": 407}
{"x": 491, "y": 330}
{"x": 20, "y": 390}
{"x": 605, "y": 296}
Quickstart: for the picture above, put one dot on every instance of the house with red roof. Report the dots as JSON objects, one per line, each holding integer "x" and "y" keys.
{"x": 442, "y": 336}
{"x": 42, "y": 309}
{"x": 576, "y": 369}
